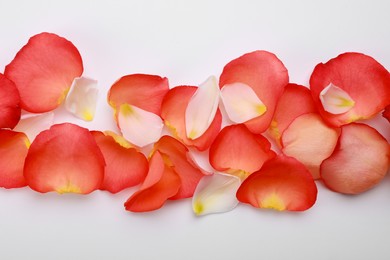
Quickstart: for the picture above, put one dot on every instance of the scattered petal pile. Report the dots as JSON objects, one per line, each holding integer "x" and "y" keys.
{"x": 267, "y": 140}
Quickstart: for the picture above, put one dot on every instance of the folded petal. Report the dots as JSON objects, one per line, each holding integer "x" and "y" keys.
{"x": 13, "y": 151}
{"x": 309, "y": 140}
{"x": 139, "y": 126}
{"x": 9, "y": 103}
{"x": 201, "y": 108}
{"x": 215, "y": 193}
{"x": 43, "y": 71}
{"x": 125, "y": 166}
{"x": 237, "y": 151}
{"x": 355, "y": 80}
{"x": 360, "y": 160}
{"x": 266, "y": 75}
{"x": 282, "y": 184}
{"x": 173, "y": 112}
{"x": 32, "y": 125}
{"x": 160, "y": 184}
{"x": 386, "y": 113}
{"x": 295, "y": 101}
{"x": 82, "y": 98}
{"x": 64, "y": 159}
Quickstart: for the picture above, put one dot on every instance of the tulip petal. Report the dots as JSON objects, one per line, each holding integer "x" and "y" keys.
{"x": 282, "y": 184}
{"x": 360, "y": 160}
{"x": 43, "y": 71}
{"x": 9, "y": 103}
{"x": 173, "y": 112}
{"x": 34, "y": 124}
{"x": 82, "y": 98}
{"x": 358, "y": 80}
{"x": 266, "y": 75}
{"x": 65, "y": 159}
{"x": 201, "y": 108}
{"x": 239, "y": 152}
{"x": 335, "y": 100}
{"x": 241, "y": 102}
{"x": 215, "y": 193}
{"x": 160, "y": 184}
{"x": 309, "y": 140}
{"x": 125, "y": 166}
{"x": 139, "y": 126}
{"x": 13, "y": 151}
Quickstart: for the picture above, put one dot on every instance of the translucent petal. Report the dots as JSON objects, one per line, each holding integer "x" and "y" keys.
{"x": 335, "y": 100}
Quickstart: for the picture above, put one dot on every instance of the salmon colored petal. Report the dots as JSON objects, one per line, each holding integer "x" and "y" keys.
{"x": 125, "y": 166}
{"x": 82, "y": 98}
{"x": 65, "y": 159}
{"x": 215, "y": 193}
{"x": 309, "y": 140}
{"x": 173, "y": 112}
{"x": 360, "y": 160}
{"x": 139, "y": 126}
{"x": 335, "y": 100}
{"x": 201, "y": 108}
{"x": 266, "y": 75}
{"x": 295, "y": 101}
{"x": 282, "y": 184}
{"x": 43, "y": 71}
{"x": 9, "y": 103}
{"x": 386, "y": 113}
{"x": 140, "y": 90}
{"x": 177, "y": 156}
{"x": 13, "y": 151}
{"x": 160, "y": 184}
{"x": 237, "y": 151}
{"x": 32, "y": 125}
{"x": 360, "y": 78}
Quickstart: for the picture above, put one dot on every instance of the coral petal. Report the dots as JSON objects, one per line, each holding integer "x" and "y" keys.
{"x": 43, "y": 71}
{"x": 9, "y": 103}
{"x": 360, "y": 160}
{"x": 34, "y": 124}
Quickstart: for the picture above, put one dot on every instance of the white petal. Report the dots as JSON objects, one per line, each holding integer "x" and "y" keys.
{"x": 335, "y": 100}
{"x": 82, "y": 98}
{"x": 138, "y": 126}
{"x": 201, "y": 109}
{"x": 241, "y": 102}
{"x": 32, "y": 125}
{"x": 215, "y": 193}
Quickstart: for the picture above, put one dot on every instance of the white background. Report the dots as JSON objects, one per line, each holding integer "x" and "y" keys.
{"x": 187, "y": 41}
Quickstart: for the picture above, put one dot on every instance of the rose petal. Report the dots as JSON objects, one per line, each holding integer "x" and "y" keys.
{"x": 309, "y": 140}
{"x": 360, "y": 160}
{"x": 9, "y": 103}
{"x": 335, "y": 100}
{"x": 43, "y": 71}
{"x": 65, "y": 159}
{"x": 34, "y": 124}
{"x": 282, "y": 184}
{"x": 266, "y": 75}
{"x": 386, "y": 113}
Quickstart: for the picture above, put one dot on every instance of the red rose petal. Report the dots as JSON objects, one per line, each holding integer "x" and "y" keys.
{"x": 125, "y": 166}
{"x": 282, "y": 184}
{"x": 360, "y": 160}
{"x": 65, "y": 159}
{"x": 263, "y": 72}
{"x": 386, "y": 113}
{"x": 13, "y": 151}
{"x": 9, "y": 103}
{"x": 43, "y": 71}
{"x": 173, "y": 112}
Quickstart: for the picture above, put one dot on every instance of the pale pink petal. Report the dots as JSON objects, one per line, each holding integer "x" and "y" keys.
{"x": 32, "y": 125}
{"x": 335, "y": 100}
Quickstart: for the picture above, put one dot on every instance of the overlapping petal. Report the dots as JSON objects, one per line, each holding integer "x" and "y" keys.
{"x": 32, "y": 125}
{"x": 355, "y": 80}
{"x": 386, "y": 113}
{"x": 65, "y": 159}
{"x": 43, "y": 71}
{"x": 282, "y": 184}
{"x": 360, "y": 160}
{"x": 266, "y": 75}
{"x": 9, "y": 103}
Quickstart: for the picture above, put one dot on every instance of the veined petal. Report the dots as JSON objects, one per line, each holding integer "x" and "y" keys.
{"x": 139, "y": 126}
{"x": 241, "y": 102}
{"x": 201, "y": 108}
{"x": 13, "y": 151}
{"x": 282, "y": 184}
{"x": 65, "y": 159}
{"x": 82, "y": 98}
{"x": 215, "y": 193}
{"x": 34, "y": 124}
{"x": 335, "y": 100}
{"x": 9, "y": 103}
{"x": 360, "y": 160}
{"x": 43, "y": 71}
